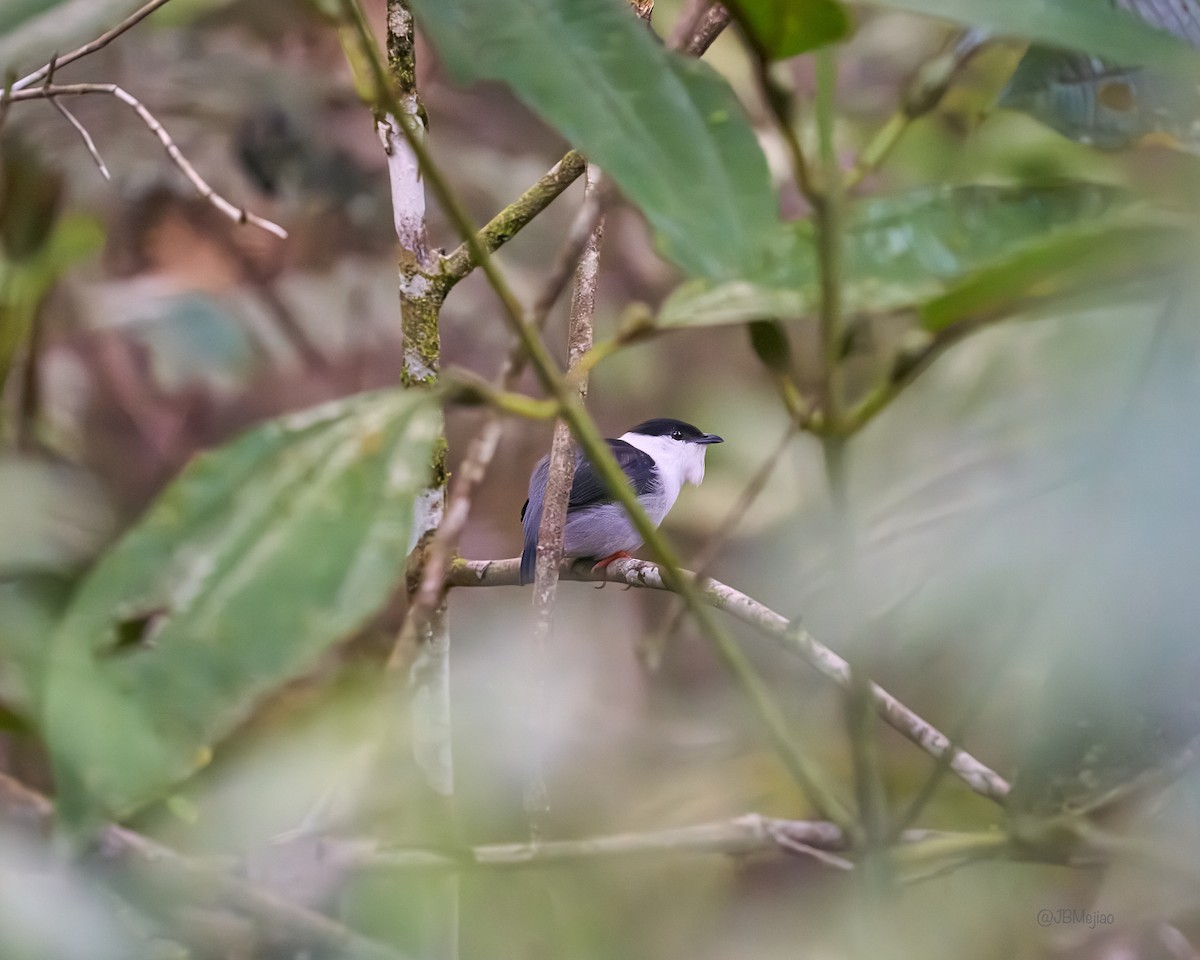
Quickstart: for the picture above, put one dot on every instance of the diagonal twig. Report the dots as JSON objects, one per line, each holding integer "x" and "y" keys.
{"x": 83, "y": 132}
{"x": 91, "y": 46}
{"x": 640, "y": 573}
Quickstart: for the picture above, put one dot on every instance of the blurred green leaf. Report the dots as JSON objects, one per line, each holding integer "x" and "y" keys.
{"x": 900, "y": 251}
{"x": 23, "y": 283}
{"x": 786, "y": 28}
{"x": 53, "y": 517}
{"x": 1074, "y": 261}
{"x": 30, "y": 608}
{"x": 1104, "y": 103}
{"x": 667, "y": 129}
{"x": 769, "y": 340}
{"x": 255, "y": 560}
{"x": 1090, "y": 25}
{"x": 30, "y": 193}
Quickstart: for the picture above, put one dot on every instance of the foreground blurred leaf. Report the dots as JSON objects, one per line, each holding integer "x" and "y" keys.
{"x": 258, "y": 558}
{"x": 1088, "y": 100}
{"x": 23, "y": 283}
{"x": 667, "y": 129}
{"x": 53, "y": 517}
{"x": 1074, "y": 261}
{"x": 900, "y": 251}
{"x": 1090, "y": 25}
{"x": 786, "y": 28}
{"x": 1104, "y": 103}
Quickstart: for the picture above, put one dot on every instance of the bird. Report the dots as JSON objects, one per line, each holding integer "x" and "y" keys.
{"x": 658, "y": 456}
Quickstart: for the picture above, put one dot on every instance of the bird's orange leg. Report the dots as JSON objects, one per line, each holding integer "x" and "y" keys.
{"x": 602, "y": 565}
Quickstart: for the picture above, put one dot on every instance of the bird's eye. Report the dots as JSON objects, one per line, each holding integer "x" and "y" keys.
{"x": 677, "y": 435}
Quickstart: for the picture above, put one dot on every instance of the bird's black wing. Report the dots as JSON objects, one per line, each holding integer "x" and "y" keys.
{"x": 587, "y": 490}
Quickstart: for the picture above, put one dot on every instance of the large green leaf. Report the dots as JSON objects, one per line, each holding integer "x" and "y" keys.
{"x": 900, "y": 251}
{"x": 667, "y": 129}
{"x": 785, "y": 28}
{"x": 1090, "y": 25}
{"x": 254, "y": 561}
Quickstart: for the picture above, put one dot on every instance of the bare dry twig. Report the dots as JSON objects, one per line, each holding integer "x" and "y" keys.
{"x": 640, "y": 573}
{"x": 554, "y": 505}
{"x": 235, "y": 213}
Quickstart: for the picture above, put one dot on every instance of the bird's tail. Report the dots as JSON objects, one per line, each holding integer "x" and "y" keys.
{"x": 528, "y": 562}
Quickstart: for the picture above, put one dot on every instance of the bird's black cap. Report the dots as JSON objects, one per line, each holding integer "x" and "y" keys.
{"x": 676, "y": 429}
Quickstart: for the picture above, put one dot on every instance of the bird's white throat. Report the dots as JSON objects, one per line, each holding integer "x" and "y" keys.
{"x": 677, "y": 461}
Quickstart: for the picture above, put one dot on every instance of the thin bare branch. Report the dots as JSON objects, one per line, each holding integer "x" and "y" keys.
{"x": 740, "y": 836}
{"x": 554, "y": 502}
{"x": 99, "y": 43}
{"x": 237, "y": 214}
{"x": 87, "y": 137}
{"x": 640, "y": 573}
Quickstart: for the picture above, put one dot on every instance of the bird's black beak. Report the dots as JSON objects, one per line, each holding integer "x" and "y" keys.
{"x": 710, "y": 438}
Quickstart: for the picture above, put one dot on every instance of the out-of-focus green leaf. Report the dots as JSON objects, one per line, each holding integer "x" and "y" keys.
{"x": 1074, "y": 261}
{"x": 30, "y": 607}
{"x": 23, "y": 283}
{"x": 1090, "y": 25}
{"x": 30, "y": 193}
{"x": 1087, "y": 100}
{"x": 53, "y": 517}
{"x": 1104, "y": 103}
{"x": 667, "y": 129}
{"x": 786, "y": 28}
{"x": 900, "y": 251}
{"x": 254, "y": 561}
{"x": 769, "y": 341}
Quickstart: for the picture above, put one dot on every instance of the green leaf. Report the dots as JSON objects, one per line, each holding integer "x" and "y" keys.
{"x": 1070, "y": 262}
{"x": 258, "y": 558}
{"x": 1090, "y": 25}
{"x": 787, "y": 28}
{"x": 900, "y": 251}
{"x": 1111, "y": 107}
{"x": 667, "y": 129}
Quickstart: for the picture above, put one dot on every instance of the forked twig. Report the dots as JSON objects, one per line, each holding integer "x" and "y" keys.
{"x": 235, "y": 213}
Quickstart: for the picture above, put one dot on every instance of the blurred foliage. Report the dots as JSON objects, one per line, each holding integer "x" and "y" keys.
{"x": 780, "y": 29}
{"x": 209, "y": 479}
{"x": 317, "y": 507}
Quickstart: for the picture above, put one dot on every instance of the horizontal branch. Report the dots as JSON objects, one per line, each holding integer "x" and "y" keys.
{"x": 640, "y": 573}
{"x": 235, "y": 213}
{"x": 740, "y": 836}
